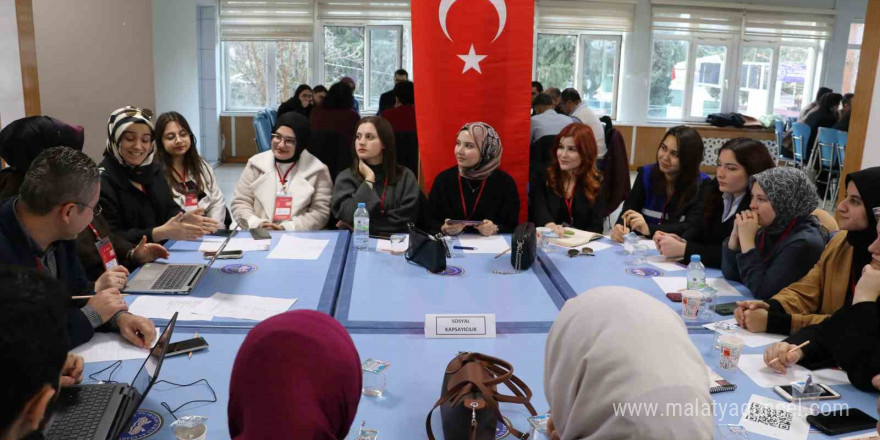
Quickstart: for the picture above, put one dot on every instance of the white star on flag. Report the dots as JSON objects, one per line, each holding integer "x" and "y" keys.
{"x": 472, "y": 61}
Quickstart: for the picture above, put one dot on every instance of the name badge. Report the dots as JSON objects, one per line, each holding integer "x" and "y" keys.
{"x": 108, "y": 255}
{"x": 283, "y": 207}
{"x": 191, "y": 201}
{"x": 460, "y": 326}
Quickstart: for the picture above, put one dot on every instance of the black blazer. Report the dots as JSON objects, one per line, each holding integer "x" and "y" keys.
{"x": 386, "y": 101}
{"x": 707, "y": 237}
{"x": 546, "y": 206}
{"x": 15, "y": 250}
{"x": 130, "y": 212}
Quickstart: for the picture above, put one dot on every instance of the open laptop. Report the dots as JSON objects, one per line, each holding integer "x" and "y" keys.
{"x": 171, "y": 278}
{"x": 104, "y": 411}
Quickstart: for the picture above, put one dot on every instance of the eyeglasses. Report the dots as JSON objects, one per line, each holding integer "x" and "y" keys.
{"x": 96, "y": 210}
{"x": 588, "y": 252}
{"x": 289, "y": 141}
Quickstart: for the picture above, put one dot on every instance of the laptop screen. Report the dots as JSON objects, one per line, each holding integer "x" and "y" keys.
{"x": 149, "y": 372}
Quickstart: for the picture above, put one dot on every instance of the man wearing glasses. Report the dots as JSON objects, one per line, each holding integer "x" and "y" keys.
{"x": 57, "y": 200}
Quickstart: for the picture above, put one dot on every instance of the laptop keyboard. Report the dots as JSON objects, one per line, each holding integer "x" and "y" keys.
{"x": 81, "y": 418}
{"x": 174, "y": 277}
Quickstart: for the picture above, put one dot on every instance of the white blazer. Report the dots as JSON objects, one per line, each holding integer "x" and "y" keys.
{"x": 309, "y": 184}
{"x": 214, "y": 204}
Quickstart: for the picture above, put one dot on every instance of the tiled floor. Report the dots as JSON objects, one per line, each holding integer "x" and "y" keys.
{"x": 227, "y": 176}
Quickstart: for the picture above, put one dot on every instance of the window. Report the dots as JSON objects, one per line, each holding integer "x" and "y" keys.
{"x": 706, "y": 95}
{"x": 853, "y": 51}
{"x": 260, "y": 74}
{"x": 794, "y": 77}
{"x": 587, "y": 62}
{"x": 367, "y": 54}
{"x": 754, "y": 80}
{"x": 668, "y": 79}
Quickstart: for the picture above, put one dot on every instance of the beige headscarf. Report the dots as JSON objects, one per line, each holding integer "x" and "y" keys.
{"x": 489, "y": 144}
{"x": 616, "y": 345}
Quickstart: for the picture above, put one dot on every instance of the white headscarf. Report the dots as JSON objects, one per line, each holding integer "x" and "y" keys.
{"x": 616, "y": 345}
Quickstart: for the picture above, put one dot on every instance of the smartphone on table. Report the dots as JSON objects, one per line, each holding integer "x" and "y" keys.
{"x": 186, "y": 346}
{"x": 842, "y": 421}
{"x": 225, "y": 255}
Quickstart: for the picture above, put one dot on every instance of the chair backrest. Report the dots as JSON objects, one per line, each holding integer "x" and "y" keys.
{"x": 842, "y": 137}
{"x": 263, "y": 130}
{"x": 539, "y": 153}
{"x": 407, "y": 145}
{"x": 780, "y": 133}
{"x": 800, "y": 136}
{"x": 273, "y": 116}
{"x": 827, "y": 139}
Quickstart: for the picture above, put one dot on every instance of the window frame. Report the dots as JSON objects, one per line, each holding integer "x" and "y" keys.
{"x": 857, "y": 47}
{"x": 367, "y": 27}
{"x": 270, "y": 74}
{"x": 583, "y": 37}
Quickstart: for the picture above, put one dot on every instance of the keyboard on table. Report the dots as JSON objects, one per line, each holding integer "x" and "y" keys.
{"x": 175, "y": 277}
{"x": 83, "y": 409}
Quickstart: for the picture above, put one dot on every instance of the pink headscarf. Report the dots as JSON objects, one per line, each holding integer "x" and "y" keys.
{"x": 489, "y": 144}
{"x": 297, "y": 375}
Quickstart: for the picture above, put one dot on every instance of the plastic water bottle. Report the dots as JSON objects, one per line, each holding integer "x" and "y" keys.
{"x": 696, "y": 274}
{"x": 361, "y": 227}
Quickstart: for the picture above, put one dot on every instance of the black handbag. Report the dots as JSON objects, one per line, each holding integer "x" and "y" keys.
{"x": 426, "y": 250}
{"x": 523, "y": 246}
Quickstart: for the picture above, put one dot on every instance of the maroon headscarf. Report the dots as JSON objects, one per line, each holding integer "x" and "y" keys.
{"x": 297, "y": 375}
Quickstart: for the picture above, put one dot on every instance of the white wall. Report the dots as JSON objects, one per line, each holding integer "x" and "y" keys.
{"x": 176, "y": 60}
{"x": 11, "y": 91}
{"x": 847, "y": 12}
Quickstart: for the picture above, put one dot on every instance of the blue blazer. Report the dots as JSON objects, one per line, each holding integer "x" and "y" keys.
{"x": 15, "y": 250}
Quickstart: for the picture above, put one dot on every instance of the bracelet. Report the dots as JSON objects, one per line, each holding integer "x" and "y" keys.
{"x": 130, "y": 255}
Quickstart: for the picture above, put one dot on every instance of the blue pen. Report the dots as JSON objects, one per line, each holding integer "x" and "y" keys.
{"x": 465, "y": 248}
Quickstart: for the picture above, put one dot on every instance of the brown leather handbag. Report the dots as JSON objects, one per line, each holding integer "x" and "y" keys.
{"x": 469, "y": 398}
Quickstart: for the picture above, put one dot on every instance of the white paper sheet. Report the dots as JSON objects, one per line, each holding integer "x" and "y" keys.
{"x": 675, "y": 284}
{"x": 111, "y": 347}
{"x": 597, "y": 246}
{"x": 395, "y": 247}
{"x": 163, "y": 307}
{"x": 295, "y": 248}
{"x": 659, "y": 261}
{"x": 775, "y": 418}
{"x": 256, "y": 308}
{"x": 648, "y": 243}
{"x": 245, "y": 244}
{"x": 483, "y": 245}
{"x": 868, "y": 436}
{"x": 753, "y": 366}
{"x": 749, "y": 338}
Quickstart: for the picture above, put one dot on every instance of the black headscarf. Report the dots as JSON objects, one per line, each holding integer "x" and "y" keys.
{"x": 23, "y": 140}
{"x": 867, "y": 181}
{"x": 300, "y": 126}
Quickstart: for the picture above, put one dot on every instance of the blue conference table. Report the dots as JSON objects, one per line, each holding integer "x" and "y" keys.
{"x": 413, "y": 380}
{"x": 573, "y": 276}
{"x": 383, "y": 291}
{"x": 313, "y": 282}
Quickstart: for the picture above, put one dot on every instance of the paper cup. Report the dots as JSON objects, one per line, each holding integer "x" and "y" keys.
{"x": 690, "y": 304}
{"x": 731, "y": 349}
{"x": 198, "y": 432}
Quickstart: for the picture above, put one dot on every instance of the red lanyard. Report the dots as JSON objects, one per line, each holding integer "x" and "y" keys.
{"x": 568, "y": 201}
{"x": 781, "y": 237}
{"x": 39, "y": 264}
{"x": 477, "y": 202}
{"x": 283, "y": 178}
{"x": 663, "y": 211}
{"x": 382, "y": 200}
{"x": 179, "y": 176}
{"x": 95, "y": 231}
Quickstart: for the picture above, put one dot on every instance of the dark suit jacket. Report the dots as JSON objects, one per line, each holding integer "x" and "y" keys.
{"x": 15, "y": 250}
{"x": 386, "y": 101}
{"x": 546, "y": 206}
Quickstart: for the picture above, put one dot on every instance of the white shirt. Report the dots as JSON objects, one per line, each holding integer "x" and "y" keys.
{"x": 731, "y": 204}
{"x": 585, "y": 115}
{"x": 548, "y": 123}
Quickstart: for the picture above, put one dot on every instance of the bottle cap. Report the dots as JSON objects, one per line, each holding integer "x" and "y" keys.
{"x": 362, "y": 205}
{"x": 695, "y": 258}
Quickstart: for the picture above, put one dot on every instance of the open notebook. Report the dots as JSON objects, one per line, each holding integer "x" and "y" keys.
{"x": 717, "y": 384}
{"x": 576, "y": 237}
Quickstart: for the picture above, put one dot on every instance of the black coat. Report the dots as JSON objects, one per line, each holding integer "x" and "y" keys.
{"x": 546, "y": 206}
{"x": 683, "y": 214}
{"x": 386, "y": 101}
{"x": 499, "y": 202}
{"x": 130, "y": 212}
{"x": 15, "y": 250}
{"x": 707, "y": 237}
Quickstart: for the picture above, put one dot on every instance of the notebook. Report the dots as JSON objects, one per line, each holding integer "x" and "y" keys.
{"x": 717, "y": 384}
{"x": 576, "y": 237}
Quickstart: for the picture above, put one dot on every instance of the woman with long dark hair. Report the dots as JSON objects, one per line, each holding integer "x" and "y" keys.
{"x": 666, "y": 196}
{"x": 191, "y": 179}
{"x": 475, "y": 189}
{"x": 567, "y": 192}
{"x": 724, "y": 196}
{"x": 301, "y": 102}
{"x": 390, "y": 191}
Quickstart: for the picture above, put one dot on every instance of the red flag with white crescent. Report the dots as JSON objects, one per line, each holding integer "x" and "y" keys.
{"x": 472, "y": 61}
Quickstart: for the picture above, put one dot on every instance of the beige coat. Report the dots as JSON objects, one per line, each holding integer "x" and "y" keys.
{"x": 309, "y": 184}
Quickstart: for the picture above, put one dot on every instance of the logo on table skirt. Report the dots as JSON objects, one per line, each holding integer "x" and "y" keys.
{"x": 644, "y": 272}
{"x": 501, "y": 430}
{"x": 451, "y": 271}
{"x": 238, "y": 268}
{"x": 144, "y": 424}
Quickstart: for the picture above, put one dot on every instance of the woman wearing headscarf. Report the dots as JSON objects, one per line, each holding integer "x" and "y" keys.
{"x": 136, "y": 198}
{"x": 285, "y": 188}
{"x": 777, "y": 240}
{"x": 475, "y": 189}
{"x": 390, "y": 191}
{"x": 297, "y": 375}
{"x": 849, "y": 339}
{"x": 300, "y": 102}
{"x": 830, "y": 284}
{"x": 20, "y": 143}
{"x": 614, "y": 346}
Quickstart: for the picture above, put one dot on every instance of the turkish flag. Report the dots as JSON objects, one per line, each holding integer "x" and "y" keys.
{"x": 473, "y": 62}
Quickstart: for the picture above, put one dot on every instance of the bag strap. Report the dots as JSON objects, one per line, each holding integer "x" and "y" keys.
{"x": 450, "y": 394}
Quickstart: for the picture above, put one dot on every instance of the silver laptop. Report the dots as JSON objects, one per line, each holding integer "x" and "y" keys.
{"x": 174, "y": 278}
